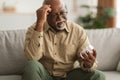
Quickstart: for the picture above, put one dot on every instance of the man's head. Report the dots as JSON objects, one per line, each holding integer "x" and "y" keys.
{"x": 58, "y": 16}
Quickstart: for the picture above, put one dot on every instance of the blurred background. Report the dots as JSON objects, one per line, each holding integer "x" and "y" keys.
{"x": 91, "y": 14}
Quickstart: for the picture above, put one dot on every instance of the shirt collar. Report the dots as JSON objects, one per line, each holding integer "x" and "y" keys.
{"x": 67, "y": 27}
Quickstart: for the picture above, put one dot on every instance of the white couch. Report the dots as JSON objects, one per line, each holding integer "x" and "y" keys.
{"x": 107, "y": 44}
{"x": 106, "y": 41}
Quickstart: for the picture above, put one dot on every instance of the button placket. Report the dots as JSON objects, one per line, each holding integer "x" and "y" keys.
{"x": 55, "y": 41}
{"x": 54, "y": 65}
{"x": 54, "y": 46}
{"x": 54, "y": 51}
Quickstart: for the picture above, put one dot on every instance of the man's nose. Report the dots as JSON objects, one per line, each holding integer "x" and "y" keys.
{"x": 59, "y": 17}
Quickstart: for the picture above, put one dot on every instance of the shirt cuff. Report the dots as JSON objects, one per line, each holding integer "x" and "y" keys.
{"x": 37, "y": 35}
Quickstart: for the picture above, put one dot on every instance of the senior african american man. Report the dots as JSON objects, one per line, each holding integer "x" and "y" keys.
{"x": 53, "y": 44}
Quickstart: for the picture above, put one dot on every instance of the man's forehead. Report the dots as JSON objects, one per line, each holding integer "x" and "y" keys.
{"x": 55, "y": 3}
{"x": 58, "y": 8}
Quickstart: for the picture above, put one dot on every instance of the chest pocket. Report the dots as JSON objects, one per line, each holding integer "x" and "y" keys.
{"x": 69, "y": 51}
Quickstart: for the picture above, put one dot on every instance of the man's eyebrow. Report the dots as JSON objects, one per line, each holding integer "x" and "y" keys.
{"x": 57, "y": 12}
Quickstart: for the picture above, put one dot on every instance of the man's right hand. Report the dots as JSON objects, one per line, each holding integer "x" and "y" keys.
{"x": 42, "y": 17}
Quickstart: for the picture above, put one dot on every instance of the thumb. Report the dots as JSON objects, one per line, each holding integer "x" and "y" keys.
{"x": 94, "y": 53}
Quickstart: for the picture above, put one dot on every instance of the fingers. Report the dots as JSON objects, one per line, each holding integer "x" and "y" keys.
{"x": 94, "y": 52}
{"x": 84, "y": 56}
{"x": 88, "y": 55}
{"x": 46, "y": 8}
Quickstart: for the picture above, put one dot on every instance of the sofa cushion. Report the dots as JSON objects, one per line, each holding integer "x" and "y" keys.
{"x": 118, "y": 67}
{"x": 10, "y": 77}
{"x": 112, "y": 75}
{"x": 12, "y": 57}
{"x": 107, "y": 44}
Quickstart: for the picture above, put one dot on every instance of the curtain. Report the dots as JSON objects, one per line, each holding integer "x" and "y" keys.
{"x": 111, "y": 22}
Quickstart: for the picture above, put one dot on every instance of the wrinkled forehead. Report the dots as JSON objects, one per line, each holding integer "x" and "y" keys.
{"x": 56, "y": 5}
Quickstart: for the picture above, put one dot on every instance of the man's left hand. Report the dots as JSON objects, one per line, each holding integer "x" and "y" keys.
{"x": 88, "y": 58}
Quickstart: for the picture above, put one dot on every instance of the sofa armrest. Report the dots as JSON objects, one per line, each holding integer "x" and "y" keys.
{"x": 118, "y": 67}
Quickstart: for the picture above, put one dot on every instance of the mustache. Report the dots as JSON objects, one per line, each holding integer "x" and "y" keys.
{"x": 60, "y": 22}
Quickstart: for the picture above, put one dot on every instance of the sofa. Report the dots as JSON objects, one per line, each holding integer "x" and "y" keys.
{"x": 105, "y": 41}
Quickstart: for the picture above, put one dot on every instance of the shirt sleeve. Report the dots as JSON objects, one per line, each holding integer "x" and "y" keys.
{"x": 82, "y": 44}
{"x": 33, "y": 44}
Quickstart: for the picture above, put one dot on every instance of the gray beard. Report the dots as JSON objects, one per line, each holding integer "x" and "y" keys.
{"x": 62, "y": 27}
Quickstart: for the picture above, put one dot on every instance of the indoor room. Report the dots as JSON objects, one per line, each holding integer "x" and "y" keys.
{"x": 59, "y": 45}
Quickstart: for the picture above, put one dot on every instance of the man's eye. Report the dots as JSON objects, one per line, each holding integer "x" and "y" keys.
{"x": 63, "y": 13}
{"x": 53, "y": 14}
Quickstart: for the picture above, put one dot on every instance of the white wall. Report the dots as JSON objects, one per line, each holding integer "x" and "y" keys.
{"x": 24, "y": 16}
{"x": 30, "y": 6}
{"x": 118, "y": 14}
{"x": 24, "y": 7}
{"x": 90, "y": 3}
{"x": 25, "y": 13}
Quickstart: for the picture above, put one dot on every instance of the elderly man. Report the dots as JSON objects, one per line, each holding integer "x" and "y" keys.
{"x": 54, "y": 44}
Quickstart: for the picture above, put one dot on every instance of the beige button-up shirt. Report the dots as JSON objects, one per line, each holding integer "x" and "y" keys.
{"x": 57, "y": 51}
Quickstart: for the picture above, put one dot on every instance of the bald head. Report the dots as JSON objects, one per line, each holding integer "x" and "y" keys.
{"x": 55, "y": 3}
{"x": 48, "y": 1}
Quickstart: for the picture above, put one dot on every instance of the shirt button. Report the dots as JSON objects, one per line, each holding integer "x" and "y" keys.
{"x": 38, "y": 45}
{"x": 55, "y": 62}
{"x": 55, "y": 43}
{"x": 38, "y": 36}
